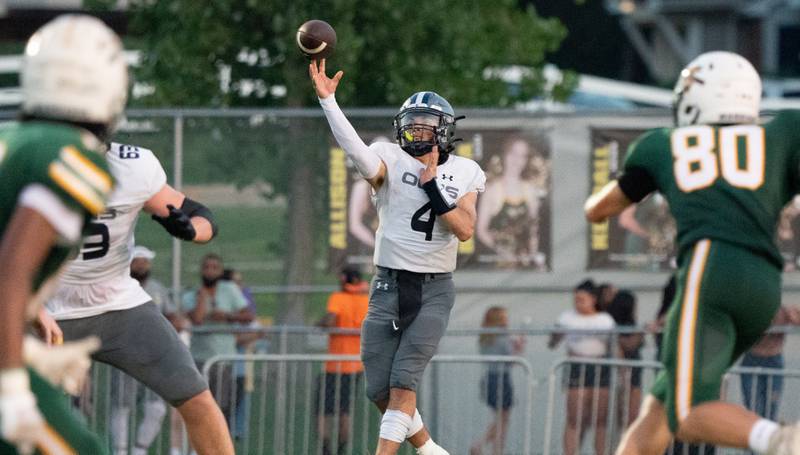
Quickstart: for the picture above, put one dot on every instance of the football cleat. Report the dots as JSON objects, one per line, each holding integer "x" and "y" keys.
{"x": 785, "y": 441}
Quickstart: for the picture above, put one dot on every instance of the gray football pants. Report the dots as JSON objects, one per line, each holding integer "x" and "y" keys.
{"x": 141, "y": 342}
{"x": 397, "y": 358}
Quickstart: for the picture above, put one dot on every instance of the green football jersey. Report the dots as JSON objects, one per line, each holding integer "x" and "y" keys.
{"x": 68, "y": 161}
{"x": 727, "y": 182}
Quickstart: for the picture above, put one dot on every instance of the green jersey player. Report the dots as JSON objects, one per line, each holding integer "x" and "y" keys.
{"x": 53, "y": 177}
{"x": 726, "y": 179}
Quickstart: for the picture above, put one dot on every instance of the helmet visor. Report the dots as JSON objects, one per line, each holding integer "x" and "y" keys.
{"x": 418, "y": 126}
{"x": 419, "y": 118}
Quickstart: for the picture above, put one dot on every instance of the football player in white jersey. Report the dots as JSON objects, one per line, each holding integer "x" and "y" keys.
{"x": 425, "y": 198}
{"x": 98, "y": 296}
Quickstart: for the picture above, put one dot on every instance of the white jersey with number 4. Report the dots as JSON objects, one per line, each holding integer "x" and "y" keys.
{"x": 98, "y": 280}
{"x": 409, "y": 236}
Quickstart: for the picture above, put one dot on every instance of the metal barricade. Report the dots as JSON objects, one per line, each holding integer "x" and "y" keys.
{"x": 761, "y": 390}
{"x": 274, "y": 404}
{"x": 596, "y": 396}
{"x": 591, "y": 402}
{"x": 290, "y": 393}
{"x": 128, "y": 415}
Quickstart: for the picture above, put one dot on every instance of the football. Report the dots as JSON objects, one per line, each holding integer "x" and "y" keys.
{"x": 316, "y": 39}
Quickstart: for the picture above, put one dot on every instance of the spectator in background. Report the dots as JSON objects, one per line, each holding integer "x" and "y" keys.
{"x": 141, "y": 265}
{"x": 762, "y": 393}
{"x": 496, "y": 386}
{"x": 629, "y": 346}
{"x": 605, "y": 295}
{"x": 588, "y": 383}
{"x": 236, "y": 277}
{"x": 347, "y": 309}
{"x": 245, "y": 344}
{"x": 216, "y": 305}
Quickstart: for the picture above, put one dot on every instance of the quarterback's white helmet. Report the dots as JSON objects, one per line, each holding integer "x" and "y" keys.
{"x": 717, "y": 87}
{"x": 74, "y": 69}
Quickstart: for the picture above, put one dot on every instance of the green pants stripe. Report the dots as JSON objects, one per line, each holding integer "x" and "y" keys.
{"x": 725, "y": 300}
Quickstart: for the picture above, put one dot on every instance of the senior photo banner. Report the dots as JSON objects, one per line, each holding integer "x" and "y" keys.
{"x": 643, "y": 236}
{"x": 513, "y": 212}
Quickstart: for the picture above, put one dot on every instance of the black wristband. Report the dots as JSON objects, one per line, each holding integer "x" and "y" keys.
{"x": 193, "y": 208}
{"x": 438, "y": 204}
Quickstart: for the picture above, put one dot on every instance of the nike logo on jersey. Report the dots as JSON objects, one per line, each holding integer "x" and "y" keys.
{"x": 394, "y": 325}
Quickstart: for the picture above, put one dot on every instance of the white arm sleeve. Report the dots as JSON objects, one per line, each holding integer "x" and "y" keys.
{"x": 367, "y": 162}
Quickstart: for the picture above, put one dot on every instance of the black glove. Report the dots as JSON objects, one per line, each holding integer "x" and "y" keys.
{"x": 177, "y": 223}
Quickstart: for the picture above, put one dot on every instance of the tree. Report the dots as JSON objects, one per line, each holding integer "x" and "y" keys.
{"x": 388, "y": 49}
{"x": 242, "y": 53}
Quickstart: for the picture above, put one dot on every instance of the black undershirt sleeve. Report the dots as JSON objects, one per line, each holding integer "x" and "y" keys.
{"x": 636, "y": 183}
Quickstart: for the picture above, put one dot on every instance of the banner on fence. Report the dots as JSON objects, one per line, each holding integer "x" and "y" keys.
{"x": 513, "y": 219}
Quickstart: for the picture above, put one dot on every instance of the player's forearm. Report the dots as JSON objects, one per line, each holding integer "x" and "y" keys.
{"x": 202, "y": 219}
{"x": 203, "y": 228}
{"x": 461, "y": 222}
{"x": 15, "y": 290}
{"x": 609, "y": 201}
{"x": 27, "y": 241}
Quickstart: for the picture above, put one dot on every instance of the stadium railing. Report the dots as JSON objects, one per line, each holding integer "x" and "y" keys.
{"x": 606, "y": 386}
{"x": 275, "y": 407}
{"x": 287, "y": 422}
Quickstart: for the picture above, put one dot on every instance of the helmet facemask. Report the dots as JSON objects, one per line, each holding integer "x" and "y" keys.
{"x": 684, "y": 112}
{"x": 419, "y": 129}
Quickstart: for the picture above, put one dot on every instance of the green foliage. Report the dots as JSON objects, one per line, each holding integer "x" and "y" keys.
{"x": 388, "y": 50}
{"x": 99, "y": 5}
{"x": 227, "y": 53}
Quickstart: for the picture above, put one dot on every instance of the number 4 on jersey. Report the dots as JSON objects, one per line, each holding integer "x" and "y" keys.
{"x": 424, "y": 226}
